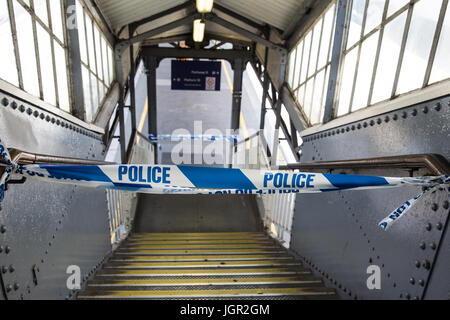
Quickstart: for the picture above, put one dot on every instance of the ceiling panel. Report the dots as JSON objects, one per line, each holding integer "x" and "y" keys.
{"x": 275, "y": 13}
{"x": 120, "y": 12}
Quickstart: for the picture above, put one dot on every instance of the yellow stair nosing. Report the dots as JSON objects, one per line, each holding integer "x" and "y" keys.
{"x": 195, "y": 251}
{"x": 197, "y": 246}
{"x": 216, "y": 264}
{"x": 201, "y": 282}
{"x": 219, "y": 234}
{"x": 202, "y": 272}
{"x": 193, "y": 258}
{"x": 194, "y": 241}
{"x": 210, "y": 293}
{"x": 193, "y": 237}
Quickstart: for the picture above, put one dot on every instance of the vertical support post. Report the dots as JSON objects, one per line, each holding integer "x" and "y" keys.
{"x": 294, "y": 136}
{"x": 335, "y": 59}
{"x": 238, "y": 70}
{"x": 78, "y": 108}
{"x": 151, "y": 64}
{"x": 265, "y": 90}
{"x": 131, "y": 83}
{"x": 276, "y": 142}
{"x": 118, "y": 51}
{"x": 238, "y": 66}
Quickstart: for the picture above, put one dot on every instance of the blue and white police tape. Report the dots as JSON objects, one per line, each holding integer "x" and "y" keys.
{"x": 5, "y": 161}
{"x": 182, "y": 137}
{"x": 400, "y": 211}
{"x": 207, "y": 180}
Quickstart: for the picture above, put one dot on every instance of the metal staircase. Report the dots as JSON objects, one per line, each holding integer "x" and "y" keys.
{"x": 234, "y": 265}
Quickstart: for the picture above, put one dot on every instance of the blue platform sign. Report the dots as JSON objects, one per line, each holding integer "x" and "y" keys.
{"x": 196, "y": 75}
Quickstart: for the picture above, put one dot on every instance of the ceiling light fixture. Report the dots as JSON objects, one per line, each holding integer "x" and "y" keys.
{"x": 199, "y": 30}
{"x": 204, "y": 6}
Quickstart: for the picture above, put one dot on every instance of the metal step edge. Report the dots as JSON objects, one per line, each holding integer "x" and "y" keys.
{"x": 239, "y": 273}
{"x": 135, "y": 296}
{"x": 197, "y": 251}
{"x": 217, "y": 266}
{"x": 187, "y": 259}
{"x": 198, "y": 247}
{"x": 102, "y": 284}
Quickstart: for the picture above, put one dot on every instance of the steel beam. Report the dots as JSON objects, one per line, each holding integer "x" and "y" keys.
{"x": 188, "y": 36}
{"x": 276, "y": 142}
{"x": 123, "y": 147}
{"x": 254, "y": 37}
{"x": 239, "y": 17}
{"x": 289, "y": 138}
{"x": 124, "y": 44}
{"x": 293, "y": 136}
{"x": 176, "y": 38}
{"x": 109, "y": 105}
{"x": 151, "y": 64}
{"x": 229, "y": 55}
{"x": 240, "y": 42}
{"x": 238, "y": 70}
{"x": 298, "y": 28}
{"x": 78, "y": 107}
{"x": 265, "y": 90}
{"x": 100, "y": 19}
{"x": 118, "y": 69}
{"x": 295, "y": 114}
{"x": 297, "y": 119}
{"x": 131, "y": 85}
{"x": 335, "y": 59}
{"x": 162, "y": 14}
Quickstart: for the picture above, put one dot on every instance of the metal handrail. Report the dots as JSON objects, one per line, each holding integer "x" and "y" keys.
{"x": 254, "y": 135}
{"x": 27, "y": 158}
{"x": 437, "y": 164}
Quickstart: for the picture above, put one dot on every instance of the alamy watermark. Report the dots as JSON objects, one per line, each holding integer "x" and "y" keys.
{"x": 72, "y": 17}
{"x": 74, "y": 280}
{"x": 212, "y": 146}
{"x": 374, "y": 280}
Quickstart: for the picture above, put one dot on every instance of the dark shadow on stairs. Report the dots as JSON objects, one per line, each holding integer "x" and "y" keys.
{"x": 197, "y": 213}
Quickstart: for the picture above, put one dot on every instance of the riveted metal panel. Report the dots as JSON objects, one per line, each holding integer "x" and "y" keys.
{"x": 336, "y": 233}
{"x": 438, "y": 284}
{"x": 49, "y": 226}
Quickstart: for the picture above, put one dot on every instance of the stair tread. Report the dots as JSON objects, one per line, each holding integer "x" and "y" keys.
{"x": 205, "y": 281}
{"x": 227, "y": 265}
{"x": 199, "y": 251}
{"x": 223, "y": 264}
{"x": 203, "y": 271}
{"x": 174, "y": 258}
{"x": 199, "y": 234}
{"x": 197, "y": 241}
{"x": 302, "y": 291}
{"x": 198, "y": 246}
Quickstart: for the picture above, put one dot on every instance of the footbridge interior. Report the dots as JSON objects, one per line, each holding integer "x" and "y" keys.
{"x": 178, "y": 149}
